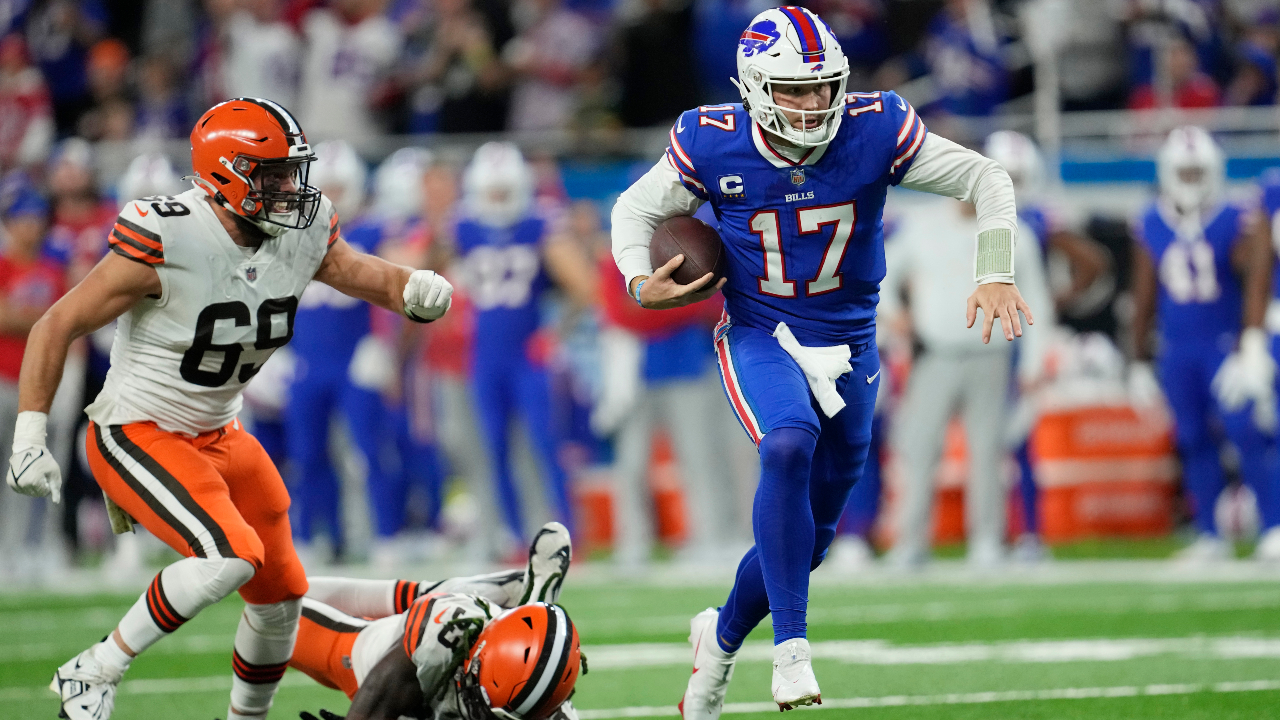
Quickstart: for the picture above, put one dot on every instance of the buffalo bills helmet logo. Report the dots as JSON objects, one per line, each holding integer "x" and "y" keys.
{"x": 759, "y": 37}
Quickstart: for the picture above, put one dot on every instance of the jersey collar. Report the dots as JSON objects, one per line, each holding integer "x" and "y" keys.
{"x": 779, "y": 160}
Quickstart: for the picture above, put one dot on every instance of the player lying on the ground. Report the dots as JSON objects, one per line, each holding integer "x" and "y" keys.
{"x": 205, "y": 285}
{"x": 797, "y": 175}
{"x": 475, "y": 647}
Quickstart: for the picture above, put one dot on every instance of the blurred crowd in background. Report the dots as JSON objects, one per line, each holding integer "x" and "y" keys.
{"x": 116, "y": 70}
{"x": 403, "y": 443}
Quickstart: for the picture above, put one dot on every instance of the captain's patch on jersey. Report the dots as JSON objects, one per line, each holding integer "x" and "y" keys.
{"x": 732, "y": 187}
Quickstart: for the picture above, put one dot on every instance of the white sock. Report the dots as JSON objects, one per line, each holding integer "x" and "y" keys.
{"x": 264, "y": 644}
{"x": 363, "y": 598}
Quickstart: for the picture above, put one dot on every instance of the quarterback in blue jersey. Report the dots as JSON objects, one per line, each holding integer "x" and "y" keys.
{"x": 510, "y": 256}
{"x": 1202, "y": 270}
{"x": 797, "y": 175}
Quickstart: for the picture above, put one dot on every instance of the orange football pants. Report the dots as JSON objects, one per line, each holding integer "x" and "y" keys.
{"x": 216, "y": 495}
{"x": 326, "y": 638}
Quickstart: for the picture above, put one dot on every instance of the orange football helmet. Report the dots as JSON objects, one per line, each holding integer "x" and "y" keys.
{"x": 522, "y": 666}
{"x": 253, "y": 159}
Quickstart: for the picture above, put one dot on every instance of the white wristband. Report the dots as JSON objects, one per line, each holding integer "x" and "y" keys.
{"x": 30, "y": 428}
{"x": 1254, "y": 342}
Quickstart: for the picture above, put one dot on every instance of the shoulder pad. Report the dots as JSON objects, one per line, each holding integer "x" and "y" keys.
{"x": 136, "y": 234}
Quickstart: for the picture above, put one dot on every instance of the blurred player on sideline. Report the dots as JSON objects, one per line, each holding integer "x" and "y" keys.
{"x": 798, "y": 175}
{"x": 395, "y": 646}
{"x": 510, "y": 255}
{"x": 656, "y": 371}
{"x": 1202, "y": 273}
{"x": 405, "y": 235}
{"x": 1085, "y": 262}
{"x": 340, "y": 368}
{"x": 955, "y": 373}
{"x": 206, "y": 285}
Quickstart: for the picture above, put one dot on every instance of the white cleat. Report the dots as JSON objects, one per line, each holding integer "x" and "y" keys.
{"x": 712, "y": 670}
{"x": 793, "y": 681}
{"x": 549, "y": 557}
{"x": 1207, "y": 549}
{"x": 1268, "y": 549}
{"x": 86, "y": 687}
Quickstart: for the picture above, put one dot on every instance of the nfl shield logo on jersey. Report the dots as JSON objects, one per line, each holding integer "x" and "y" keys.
{"x": 251, "y": 273}
{"x": 797, "y": 176}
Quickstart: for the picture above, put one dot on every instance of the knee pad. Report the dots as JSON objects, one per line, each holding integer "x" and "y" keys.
{"x": 193, "y": 584}
{"x": 276, "y": 619}
{"x": 787, "y": 449}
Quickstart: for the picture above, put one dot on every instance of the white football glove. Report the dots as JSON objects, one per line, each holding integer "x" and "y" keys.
{"x": 1249, "y": 374}
{"x": 32, "y": 469}
{"x": 1144, "y": 388}
{"x": 427, "y": 296}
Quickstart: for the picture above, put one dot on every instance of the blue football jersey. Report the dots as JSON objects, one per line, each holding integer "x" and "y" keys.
{"x": 1269, "y": 184}
{"x": 1200, "y": 297}
{"x": 329, "y": 323}
{"x": 804, "y": 239}
{"x": 505, "y": 280}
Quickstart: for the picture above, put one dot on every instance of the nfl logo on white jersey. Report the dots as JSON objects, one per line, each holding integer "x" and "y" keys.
{"x": 251, "y": 273}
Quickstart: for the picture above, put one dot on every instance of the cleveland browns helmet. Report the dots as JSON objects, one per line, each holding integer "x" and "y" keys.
{"x": 522, "y": 666}
{"x": 253, "y": 159}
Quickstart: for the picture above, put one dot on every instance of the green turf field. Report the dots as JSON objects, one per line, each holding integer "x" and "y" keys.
{"x": 1057, "y": 645}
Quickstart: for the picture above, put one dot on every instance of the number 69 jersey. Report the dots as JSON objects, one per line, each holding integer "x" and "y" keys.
{"x": 804, "y": 237}
{"x": 181, "y": 360}
{"x": 1200, "y": 298}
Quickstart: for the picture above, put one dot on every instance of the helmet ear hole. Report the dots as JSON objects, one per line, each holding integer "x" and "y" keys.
{"x": 222, "y": 179}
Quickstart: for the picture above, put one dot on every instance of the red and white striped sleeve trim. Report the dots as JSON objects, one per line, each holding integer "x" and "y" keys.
{"x": 679, "y": 157}
{"x": 688, "y": 179}
{"x": 910, "y": 138}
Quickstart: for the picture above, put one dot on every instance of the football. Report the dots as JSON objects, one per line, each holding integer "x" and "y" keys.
{"x": 697, "y": 241}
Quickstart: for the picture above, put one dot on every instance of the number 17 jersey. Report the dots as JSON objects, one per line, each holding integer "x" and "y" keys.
{"x": 804, "y": 237}
{"x": 181, "y": 360}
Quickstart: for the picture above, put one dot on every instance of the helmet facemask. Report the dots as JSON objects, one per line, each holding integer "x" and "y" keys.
{"x": 279, "y": 198}
{"x": 473, "y": 701}
{"x": 757, "y": 86}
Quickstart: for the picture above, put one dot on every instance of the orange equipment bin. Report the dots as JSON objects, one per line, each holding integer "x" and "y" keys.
{"x": 1104, "y": 471}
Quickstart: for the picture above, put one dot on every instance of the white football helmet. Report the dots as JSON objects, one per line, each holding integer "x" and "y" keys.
{"x": 397, "y": 185}
{"x": 148, "y": 174}
{"x": 791, "y": 45}
{"x": 1191, "y": 169}
{"x": 1020, "y": 157}
{"x": 498, "y": 185}
{"x": 341, "y": 175}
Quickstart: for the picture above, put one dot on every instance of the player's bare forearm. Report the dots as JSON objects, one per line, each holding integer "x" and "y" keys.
{"x": 390, "y": 690}
{"x": 571, "y": 271}
{"x": 660, "y": 292}
{"x": 108, "y": 291}
{"x": 1252, "y": 259}
{"x": 367, "y": 277}
{"x": 999, "y": 300}
{"x": 1144, "y": 301}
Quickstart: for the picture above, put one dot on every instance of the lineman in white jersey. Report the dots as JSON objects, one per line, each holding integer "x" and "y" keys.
{"x": 205, "y": 285}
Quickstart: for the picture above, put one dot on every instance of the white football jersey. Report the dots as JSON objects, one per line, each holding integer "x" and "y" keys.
{"x": 181, "y": 360}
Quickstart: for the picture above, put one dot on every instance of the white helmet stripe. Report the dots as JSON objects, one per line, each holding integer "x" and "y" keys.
{"x": 545, "y": 682}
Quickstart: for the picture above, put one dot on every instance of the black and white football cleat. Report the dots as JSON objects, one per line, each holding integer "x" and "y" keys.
{"x": 549, "y": 557}
{"x": 86, "y": 688}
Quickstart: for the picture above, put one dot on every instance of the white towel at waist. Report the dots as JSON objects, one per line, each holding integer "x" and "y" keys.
{"x": 821, "y": 367}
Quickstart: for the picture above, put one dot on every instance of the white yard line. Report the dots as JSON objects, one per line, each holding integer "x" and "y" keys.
{"x": 882, "y": 652}
{"x": 956, "y": 698}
